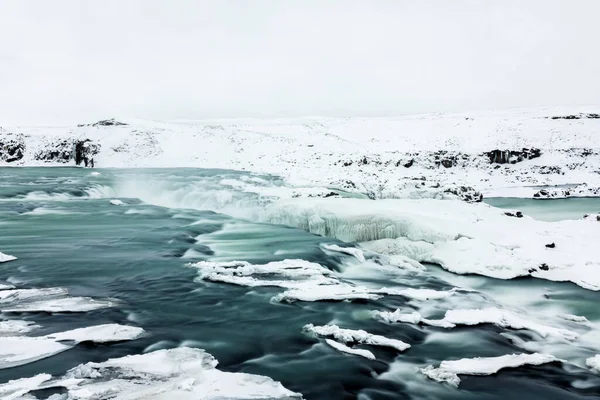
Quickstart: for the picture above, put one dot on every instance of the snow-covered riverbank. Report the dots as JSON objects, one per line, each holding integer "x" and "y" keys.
{"x": 512, "y": 153}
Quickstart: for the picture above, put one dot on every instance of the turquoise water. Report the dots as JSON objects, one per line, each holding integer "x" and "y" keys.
{"x": 549, "y": 210}
{"x": 61, "y": 226}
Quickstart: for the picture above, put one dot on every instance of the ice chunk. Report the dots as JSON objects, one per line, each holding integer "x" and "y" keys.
{"x": 594, "y": 363}
{"x": 15, "y": 351}
{"x": 16, "y": 389}
{"x": 345, "y": 349}
{"x": 99, "y": 334}
{"x": 15, "y": 295}
{"x": 182, "y": 373}
{"x": 575, "y": 318}
{"x": 410, "y": 318}
{"x": 504, "y": 319}
{"x": 117, "y": 202}
{"x": 448, "y": 371}
{"x": 6, "y": 287}
{"x": 353, "y": 251}
{"x": 66, "y": 304}
{"x": 6, "y": 258}
{"x": 327, "y": 292}
{"x": 11, "y": 327}
{"x": 355, "y": 336}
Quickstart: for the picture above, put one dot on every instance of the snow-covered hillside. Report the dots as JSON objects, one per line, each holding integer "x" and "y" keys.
{"x": 496, "y": 153}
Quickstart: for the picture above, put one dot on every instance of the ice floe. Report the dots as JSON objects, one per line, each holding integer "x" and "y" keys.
{"x": 305, "y": 281}
{"x": 345, "y": 349}
{"x": 16, "y": 295}
{"x": 410, "y": 318}
{"x": 19, "y": 350}
{"x": 182, "y": 373}
{"x": 16, "y": 327}
{"x": 490, "y": 315}
{"x": 448, "y": 371}
{"x": 17, "y": 389}
{"x": 117, "y": 202}
{"x": 66, "y": 304}
{"x": 594, "y": 363}
{"x": 6, "y": 258}
{"x": 462, "y": 238}
{"x": 355, "y": 336}
{"x": 505, "y": 319}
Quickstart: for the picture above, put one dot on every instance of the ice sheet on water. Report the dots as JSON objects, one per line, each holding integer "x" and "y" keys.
{"x": 448, "y": 371}
{"x": 6, "y": 258}
{"x": 12, "y": 296}
{"x": 182, "y": 373}
{"x": 491, "y": 315}
{"x": 57, "y": 305}
{"x": 355, "y": 336}
{"x": 19, "y": 350}
{"x": 345, "y": 349}
{"x": 16, "y": 389}
{"x": 462, "y": 238}
{"x": 117, "y": 202}
{"x": 16, "y": 327}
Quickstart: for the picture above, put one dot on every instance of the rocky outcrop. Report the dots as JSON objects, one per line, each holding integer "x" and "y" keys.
{"x": 12, "y": 148}
{"x": 465, "y": 193}
{"x": 59, "y": 151}
{"x": 561, "y": 193}
{"x": 577, "y": 116}
{"x": 85, "y": 150}
{"x": 106, "y": 122}
{"x": 65, "y": 151}
{"x": 512, "y": 156}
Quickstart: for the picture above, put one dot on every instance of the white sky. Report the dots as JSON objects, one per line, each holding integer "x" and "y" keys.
{"x": 79, "y": 61}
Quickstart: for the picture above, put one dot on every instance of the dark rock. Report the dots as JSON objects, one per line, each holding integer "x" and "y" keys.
{"x": 106, "y": 122}
{"x": 12, "y": 148}
{"x": 347, "y": 163}
{"x": 59, "y": 151}
{"x": 532, "y": 270}
{"x": 512, "y": 156}
{"x": 331, "y": 194}
{"x": 466, "y": 193}
{"x": 85, "y": 150}
{"x": 544, "y": 267}
{"x": 516, "y": 214}
{"x": 410, "y": 163}
{"x": 551, "y": 245}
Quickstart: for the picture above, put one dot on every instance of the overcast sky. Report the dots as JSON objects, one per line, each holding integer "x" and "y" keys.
{"x": 79, "y": 61}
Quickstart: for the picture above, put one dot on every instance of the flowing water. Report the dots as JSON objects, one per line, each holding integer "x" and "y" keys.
{"x": 65, "y": 232}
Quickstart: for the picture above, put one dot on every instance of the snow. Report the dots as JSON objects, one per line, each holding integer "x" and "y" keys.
{"x": 19, "y": 350}
{"x": 182, "y": 373}
{"x": 6, "y": 258}
{"x": 358, "y": 154}
{"x": 462, "y": 238}
{"x": 356, "y": 336}
{"x": 117, "y": 202}
{"x": 345, "y": 349}
{"x": 353, "y": 251}
{"x": 327, "y": 292}
{"x": 448, "y": 371}
{"x": 594, "y": 363}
